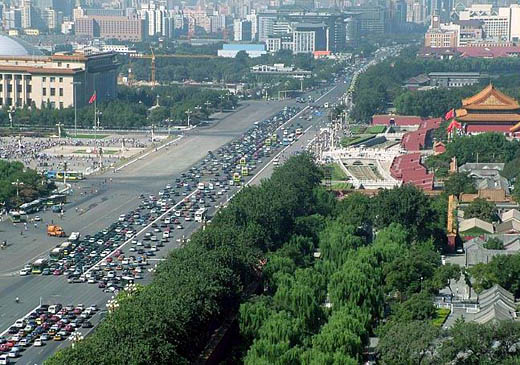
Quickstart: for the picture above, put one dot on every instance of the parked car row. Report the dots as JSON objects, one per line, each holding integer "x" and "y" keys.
{"x": 54, "y": 322}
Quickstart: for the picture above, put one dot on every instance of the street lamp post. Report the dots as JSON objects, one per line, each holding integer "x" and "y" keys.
{"x": 189, "y": 112}
{"x": 17, "y": 183}
{"x": 75, "y": 337}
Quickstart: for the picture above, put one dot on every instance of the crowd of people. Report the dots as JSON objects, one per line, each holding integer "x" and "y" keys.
{"x": 32, "y": 151}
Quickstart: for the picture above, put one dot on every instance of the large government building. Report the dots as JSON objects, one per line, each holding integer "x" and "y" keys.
{"x": 58, "y": 81}
{"x": 490, "y": 111}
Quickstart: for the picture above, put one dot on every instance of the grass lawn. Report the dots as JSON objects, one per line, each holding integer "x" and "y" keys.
{"x": 375, "y": 129}
{"x": 442, "y": 314}
{"x": 341, "y": 186}
{"x": 349, "y": 141}
{"x": 358, "y": 129}
{"x": 89, "y": 136}
{"x": 336, "y": 172}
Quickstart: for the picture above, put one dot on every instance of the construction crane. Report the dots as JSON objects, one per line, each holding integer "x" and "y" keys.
{"x": 153, "y": 57}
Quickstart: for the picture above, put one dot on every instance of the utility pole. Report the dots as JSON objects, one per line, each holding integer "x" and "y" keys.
{"x": 64, "y": 173}
{"x": 74, "y": 83}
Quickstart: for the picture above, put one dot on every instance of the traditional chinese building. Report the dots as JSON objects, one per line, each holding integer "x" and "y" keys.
{"x": 489, "y": 111}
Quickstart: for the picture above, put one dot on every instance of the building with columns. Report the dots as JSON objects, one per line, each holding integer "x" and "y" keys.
{"x": 57, "y": 81}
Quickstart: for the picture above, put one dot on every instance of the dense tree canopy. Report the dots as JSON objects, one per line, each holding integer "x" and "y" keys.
{"x": 485, "y": 147}
{"x": 131, "y": 109}
{"x": 30, "y": 184}
{"x": 458, "y": 183}
{"x": 482, "y": 209}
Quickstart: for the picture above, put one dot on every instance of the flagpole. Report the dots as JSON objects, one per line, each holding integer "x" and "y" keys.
{"x": 95, "y": 114}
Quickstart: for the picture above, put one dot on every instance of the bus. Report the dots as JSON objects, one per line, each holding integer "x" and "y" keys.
{"x": 56, "y": 254}
{"x": 245, "y": 171}
{"x": 17, "y": 216}
{"x": 32, "y": 207}
{"x": 55, "y": 199}
{"x": 236, "y": 178}
{"x": 200, "y": 215}
{"x": 51, "y": 175}
{"x": 69, "y": 175}
{"x": 38, "y": 266}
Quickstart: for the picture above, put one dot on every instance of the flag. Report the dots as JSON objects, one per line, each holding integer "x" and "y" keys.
{"x": 92, "y": 98}
{"x": 450, "y": 115}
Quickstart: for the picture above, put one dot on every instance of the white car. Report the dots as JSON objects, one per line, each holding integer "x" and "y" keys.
{"x": 38, "y": 342}
{"x": 25, "y": 272}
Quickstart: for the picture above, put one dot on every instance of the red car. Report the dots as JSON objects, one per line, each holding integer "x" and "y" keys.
{"x": 56, "y": 272}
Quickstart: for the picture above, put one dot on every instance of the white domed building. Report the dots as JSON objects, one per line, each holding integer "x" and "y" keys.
{"x": 16, "y": 47}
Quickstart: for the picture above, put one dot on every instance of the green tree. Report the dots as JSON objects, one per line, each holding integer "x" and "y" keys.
{"x": 459, "y": 183}
{"x": 444, "y": 274}
{"x": 407, "y": 206}
{"x": 494, "y": 243}
{"x": 481, "y": 209}
{"x": 407, "y": 343}
{"x": 419, "y": 307}
{"x": 346, "y": 332}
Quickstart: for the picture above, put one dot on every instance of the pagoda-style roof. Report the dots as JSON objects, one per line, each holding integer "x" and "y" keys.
{"x": 490, "y": 117}
{"x": 490, "y": 98}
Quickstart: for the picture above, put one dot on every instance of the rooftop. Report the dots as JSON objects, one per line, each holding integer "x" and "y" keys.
{"x": 243, "y": 47}
{"x": 490, "y": 98}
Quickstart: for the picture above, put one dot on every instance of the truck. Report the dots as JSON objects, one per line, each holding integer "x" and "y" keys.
{"x": 55, "y": 231}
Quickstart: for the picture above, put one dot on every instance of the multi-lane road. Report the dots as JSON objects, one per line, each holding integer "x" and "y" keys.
{"x": 104, "y": 202}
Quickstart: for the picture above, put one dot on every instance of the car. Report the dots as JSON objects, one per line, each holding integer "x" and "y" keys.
{"x": 25, "y": 272}
{"x": 38, "y": 342}
{"x": 37, "y": 218}
{"x": 87, "y": 324}
{"x": 4, "y": 360}
{"x": 58, "y": 337}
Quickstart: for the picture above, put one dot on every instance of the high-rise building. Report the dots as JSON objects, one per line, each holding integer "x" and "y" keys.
{"x": 335, "y": 21}
{"x": 254, "y": 25}
{"x": 27, "y": 14}
{"x": 109, "y": 27}
{"x": 496, "y": 24}
{"x": 304, "y": 4}
{"x": 12, "y": 19}
{"x": 371, "y": 19}
{"x": 308, "y": 38}
{"x": 242, "y": 30}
